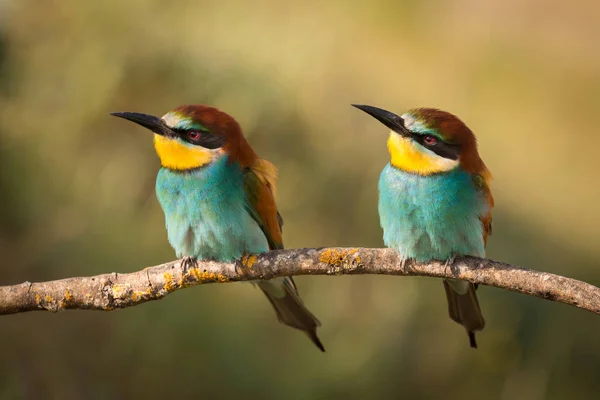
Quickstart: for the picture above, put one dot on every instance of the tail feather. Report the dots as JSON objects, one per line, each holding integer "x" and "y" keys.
{"x": 464, "y": 307}
{"x": 290, "y": 309}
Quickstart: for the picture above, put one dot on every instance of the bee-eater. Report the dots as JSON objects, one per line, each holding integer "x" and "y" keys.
{"x": 218, "y": 198}
{"x": 434, "y": 198}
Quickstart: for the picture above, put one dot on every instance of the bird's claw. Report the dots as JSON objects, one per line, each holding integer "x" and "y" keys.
{"x": 448, "y": 264}
{"x": 403, "y": 261}
{"x": 241, "y": 265}
{"x": 187, "y": 263}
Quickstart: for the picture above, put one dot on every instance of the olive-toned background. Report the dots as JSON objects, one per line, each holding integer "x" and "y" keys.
{"x": 77, "y": 191}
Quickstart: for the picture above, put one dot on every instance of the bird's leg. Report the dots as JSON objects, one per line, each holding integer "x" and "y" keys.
{"x": 448, "y": 264}
{"x": 188, "y": 262}
{"x": 243, "y": 265}
{"x": 403, "y": 260}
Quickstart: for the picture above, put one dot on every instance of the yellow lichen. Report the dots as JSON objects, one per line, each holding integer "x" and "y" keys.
{"x": 65, "y": 300}
{"x": 119, "y": 290}
{"x": 357, "y": 258}
{"x": 207, "y": 276}
{"x": 193, "y": 272}
{"x": 341, "y": 260}
{"x": 170, "y": 283}
{"x": 333, "y": 257}
{"x": 139, "y": 295}
{"x": 249, "y": 260}
{"x": 38, "y": 299}
{"x": 202, "y": 276}
{"x": 48, "y": 299}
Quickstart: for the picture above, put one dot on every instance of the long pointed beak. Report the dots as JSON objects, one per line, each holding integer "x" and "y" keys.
{"x": 391, "y": 120}
{"x": 151, "y": 122}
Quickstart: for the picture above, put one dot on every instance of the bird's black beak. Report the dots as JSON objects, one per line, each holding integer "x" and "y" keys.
{"x": 151, "y": 122}
{"x": 391, "y": 120}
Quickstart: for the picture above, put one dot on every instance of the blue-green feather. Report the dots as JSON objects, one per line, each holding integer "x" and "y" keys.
{"x": 431, "y": 217}
{"x": 206, "y": 212}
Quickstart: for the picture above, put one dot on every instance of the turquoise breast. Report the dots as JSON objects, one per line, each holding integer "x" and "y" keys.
{"x": 205, "y": 212}
{"x": 431, "y": 217}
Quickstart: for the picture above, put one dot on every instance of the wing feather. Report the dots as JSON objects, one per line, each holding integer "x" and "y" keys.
{"x": 482, "y": 184}
{"x": 259, "y": 183}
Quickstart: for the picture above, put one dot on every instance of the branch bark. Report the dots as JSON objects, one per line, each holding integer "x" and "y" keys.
{"x": 113, "y": 291}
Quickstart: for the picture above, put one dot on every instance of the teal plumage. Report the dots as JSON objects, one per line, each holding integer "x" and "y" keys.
{"x": 434, "y": 198}
{"x": 206, "y": 212}
{"x": 218, "y": 198}
{"x": 431, "y": 217}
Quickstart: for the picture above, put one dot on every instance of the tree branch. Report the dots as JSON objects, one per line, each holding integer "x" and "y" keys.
{"x": 112, "y": 291}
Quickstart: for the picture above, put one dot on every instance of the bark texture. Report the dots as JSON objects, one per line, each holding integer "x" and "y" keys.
{"x": 112, "y": 291}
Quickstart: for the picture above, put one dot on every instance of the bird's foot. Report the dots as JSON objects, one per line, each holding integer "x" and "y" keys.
{"x": 448, "y": 264}
{"x": 244, "y": 264}
{"x": 403, "y": 261}
{"x": 188, "y": 262}
{"x": 239, "y": 267}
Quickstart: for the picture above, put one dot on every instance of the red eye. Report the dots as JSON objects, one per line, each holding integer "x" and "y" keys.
{"x": 429, "y": 140}
{"x": 194, "y": 135}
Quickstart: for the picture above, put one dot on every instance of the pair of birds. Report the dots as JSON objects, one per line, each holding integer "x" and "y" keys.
{"x": 218, "y": 198}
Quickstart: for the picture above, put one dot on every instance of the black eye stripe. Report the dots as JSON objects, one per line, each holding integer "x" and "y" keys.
{"x": 205, "y": 139}
{"x": 441, "y": 148}
{"x": 183, "y": 132}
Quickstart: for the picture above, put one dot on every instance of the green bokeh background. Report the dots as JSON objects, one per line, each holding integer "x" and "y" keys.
{"x": 76, "y": 191}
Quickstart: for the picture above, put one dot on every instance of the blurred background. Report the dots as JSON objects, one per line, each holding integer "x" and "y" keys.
{"x": 77, "y": 194}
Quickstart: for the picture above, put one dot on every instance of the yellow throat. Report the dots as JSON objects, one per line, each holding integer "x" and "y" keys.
{"x": 409, "y": 156}
{"x": 177, "y": 155}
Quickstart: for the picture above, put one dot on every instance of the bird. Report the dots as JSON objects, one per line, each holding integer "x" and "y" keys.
{"x": 217, "y": 195}
{"x": 435, "y": 201}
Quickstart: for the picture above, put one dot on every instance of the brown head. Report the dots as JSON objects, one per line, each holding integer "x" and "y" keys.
{"x": 427, "y": 141}
{"x": 191, "y": 136}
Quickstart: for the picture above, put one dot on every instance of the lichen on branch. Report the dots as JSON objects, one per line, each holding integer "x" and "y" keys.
{"x": 112, "y": 291}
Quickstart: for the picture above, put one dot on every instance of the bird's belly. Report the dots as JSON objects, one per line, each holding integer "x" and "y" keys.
{"x": 209, "y": 224}
{"x": 430, "y": 217}
{"x": 206, "y": 234}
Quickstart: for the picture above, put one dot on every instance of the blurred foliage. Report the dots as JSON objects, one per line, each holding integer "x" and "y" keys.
{"x": 77, "y": 191}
